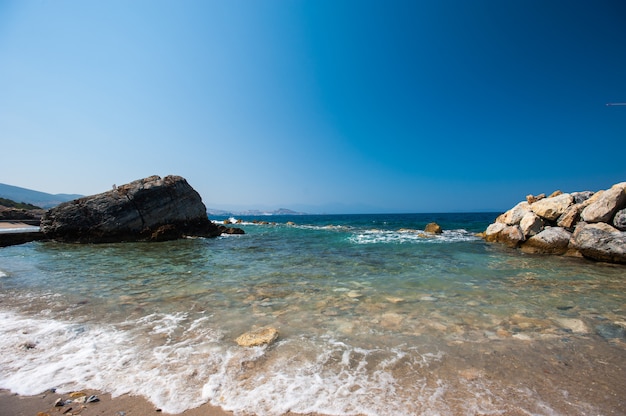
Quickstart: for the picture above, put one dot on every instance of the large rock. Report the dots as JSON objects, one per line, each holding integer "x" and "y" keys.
{"x": 531, "y": 224}
{"x": 515, "y": 214}
{"x": 571, "y": 216}
{"x": 606, "y": 205}
{"x": 150, "y": 209}
{"x": 510, "y": 235}
{"x": 552, "y": 240}
{"x": 600, "y": 242}
{"x": 619, "y": 221}
{"x": 552, "y": 208}
{"x": 580, "y": 197}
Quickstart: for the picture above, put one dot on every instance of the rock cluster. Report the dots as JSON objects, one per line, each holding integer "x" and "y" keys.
{"x": 592, "y": 225}
{"x": 149, "y": 209}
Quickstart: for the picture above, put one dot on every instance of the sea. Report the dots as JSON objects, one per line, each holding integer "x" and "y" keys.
{"x": 374, "y": 316}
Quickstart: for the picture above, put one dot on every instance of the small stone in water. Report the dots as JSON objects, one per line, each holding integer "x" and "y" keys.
{"x": 611, "y": 331}
{"x": 575, "y": 325}
{"x": 259, "y": 337}
{"x": 428, "y": 299}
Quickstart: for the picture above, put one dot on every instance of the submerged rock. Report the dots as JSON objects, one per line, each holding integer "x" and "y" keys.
{"x": 149, "y": 209}
{"x": 611, "y": 331}
{"x": 264, "y": 336}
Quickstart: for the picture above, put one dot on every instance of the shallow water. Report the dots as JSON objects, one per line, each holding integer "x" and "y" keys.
{"x": 374, "y": 318}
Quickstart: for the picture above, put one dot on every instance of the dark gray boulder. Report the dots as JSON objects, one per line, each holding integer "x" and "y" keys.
{"x": 600, "y": 242}
{"x": 149, "y": 209}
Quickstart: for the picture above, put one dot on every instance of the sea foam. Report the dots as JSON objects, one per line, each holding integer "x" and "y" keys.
{"x": 183, "y": 362}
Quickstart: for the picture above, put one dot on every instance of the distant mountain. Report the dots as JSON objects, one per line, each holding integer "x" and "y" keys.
{"x": 28, "y": 196}
{"x": 252, "y": 212}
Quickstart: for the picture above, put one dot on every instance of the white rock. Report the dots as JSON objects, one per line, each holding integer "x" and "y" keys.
{"x": 606, "y": 205}
{"x": 552, "y": 208}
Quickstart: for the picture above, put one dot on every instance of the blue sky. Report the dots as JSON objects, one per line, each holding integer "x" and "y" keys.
{"x": 322, "y": 106}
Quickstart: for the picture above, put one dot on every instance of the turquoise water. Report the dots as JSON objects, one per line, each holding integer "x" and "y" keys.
{"x": 374, "y": 318}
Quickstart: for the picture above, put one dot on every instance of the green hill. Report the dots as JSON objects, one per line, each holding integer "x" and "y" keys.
{"x": 28, "y": 196}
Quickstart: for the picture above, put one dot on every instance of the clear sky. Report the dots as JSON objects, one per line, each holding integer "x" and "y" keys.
{"x": 322, "y": 106}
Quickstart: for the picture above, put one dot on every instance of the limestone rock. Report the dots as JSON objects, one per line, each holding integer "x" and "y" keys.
{"x": 510, "y": 235}
{"x": 149, "y": 209}
{"x": 619, "y": 221}
{"x": 552, "y": 208}
{"x": 531, "y": 224}
{"x": 258, "y": 337}
{"x": 493, "y": 231}
{"x": 534, "y": 198}
{"x": 570, "y": 217}
{"x": 600, "y": 242}
{"x": 515, "y": 214}
{"x": 552, "y": 240}
{"x": 606, "y": 205}
{"x": 433, "y": 228}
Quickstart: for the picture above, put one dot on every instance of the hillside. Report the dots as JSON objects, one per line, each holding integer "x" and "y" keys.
{"x": 28, "y": 196}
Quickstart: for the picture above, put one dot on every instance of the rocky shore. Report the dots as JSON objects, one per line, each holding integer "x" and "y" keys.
{"x": 582, "y": 224}
{"x": 149, "y": 209}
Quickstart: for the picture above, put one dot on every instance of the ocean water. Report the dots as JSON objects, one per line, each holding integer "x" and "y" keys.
{"x": 374, "y": 318}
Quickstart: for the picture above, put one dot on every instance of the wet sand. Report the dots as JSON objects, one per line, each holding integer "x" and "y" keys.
{"x": 43, "y": 404}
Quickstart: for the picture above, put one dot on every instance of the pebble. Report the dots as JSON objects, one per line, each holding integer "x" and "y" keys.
{"x": 575, "y": 325}
{"x": 428, "y": 299}
{"x": 611, "y": 331}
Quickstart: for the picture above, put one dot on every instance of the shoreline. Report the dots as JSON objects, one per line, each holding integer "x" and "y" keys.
{"x": 13, "y": 404}
{"x": 43, "y": 404}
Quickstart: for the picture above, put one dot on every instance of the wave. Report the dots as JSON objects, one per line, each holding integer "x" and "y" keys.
{"x": 179, "y": 362}
{"x": 376, "y": 236}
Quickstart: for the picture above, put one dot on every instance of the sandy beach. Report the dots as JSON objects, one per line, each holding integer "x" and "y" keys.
{"x": 44, "y": 404}
{"x": 9, "y": 225}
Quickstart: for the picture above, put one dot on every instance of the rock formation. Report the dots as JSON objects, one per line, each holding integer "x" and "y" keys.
{"x": 587, "y": 224}
{"x": 150, "y": 209}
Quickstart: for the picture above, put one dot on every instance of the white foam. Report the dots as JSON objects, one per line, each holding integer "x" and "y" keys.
{"x": 3, "y": 274}
{"x": 410, "y": 236}
{"x": 179, "y": 362}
